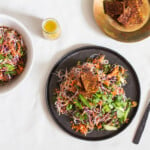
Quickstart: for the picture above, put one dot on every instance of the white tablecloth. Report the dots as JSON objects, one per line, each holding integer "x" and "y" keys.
{"x": 25, "y": 123}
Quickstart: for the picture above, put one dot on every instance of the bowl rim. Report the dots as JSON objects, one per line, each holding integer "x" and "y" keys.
{"x": 27, "y": 70}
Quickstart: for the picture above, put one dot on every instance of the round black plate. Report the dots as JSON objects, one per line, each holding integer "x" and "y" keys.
{"x": 132, "y": 89}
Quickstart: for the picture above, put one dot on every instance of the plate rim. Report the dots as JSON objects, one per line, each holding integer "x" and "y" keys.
{"x": 117, "y": 32}
{"x": 82, "y": 48}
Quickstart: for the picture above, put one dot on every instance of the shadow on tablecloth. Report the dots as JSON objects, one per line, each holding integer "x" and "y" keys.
{"x": 33, "y": 23}
{"x": 87, "y": 10}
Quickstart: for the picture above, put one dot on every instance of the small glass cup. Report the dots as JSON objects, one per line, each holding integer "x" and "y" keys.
{"x": 51, "y": 29}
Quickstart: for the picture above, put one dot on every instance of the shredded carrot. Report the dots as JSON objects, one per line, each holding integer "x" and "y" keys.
{"x": 99, "y": 126}
{"x": 98, "y": 61}
{"x": 115, "y": 117}
{"x": 114, "y": 72}
{"x": 107, "y": 82}
{"x": 114, "y": 93}
{"x": 101, "y": 59}
{"x": 100, "y": 103}
{"x": 81, "y": 127}
{"x": 122, "y": 70}
{"x": 97, "y": 66}
{"x": 133, "y": 103}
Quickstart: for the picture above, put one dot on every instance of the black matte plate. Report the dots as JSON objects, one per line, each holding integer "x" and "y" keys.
{"x": 132, "y": 89}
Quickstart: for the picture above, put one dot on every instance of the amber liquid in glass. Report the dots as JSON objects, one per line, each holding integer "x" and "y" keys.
{"x": 51, "y": 29}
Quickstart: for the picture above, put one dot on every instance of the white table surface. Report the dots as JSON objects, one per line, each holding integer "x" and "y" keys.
{"x": 25, "y": 123}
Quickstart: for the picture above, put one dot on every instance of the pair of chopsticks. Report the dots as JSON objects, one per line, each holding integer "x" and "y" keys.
{"x": 142, "y": 124}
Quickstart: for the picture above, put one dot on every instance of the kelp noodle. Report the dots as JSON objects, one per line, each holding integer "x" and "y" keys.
{"x": 92, "y": 95}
